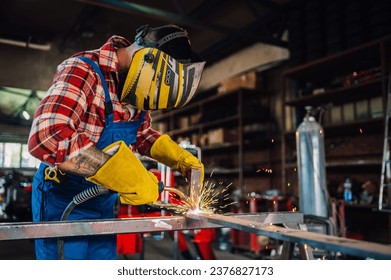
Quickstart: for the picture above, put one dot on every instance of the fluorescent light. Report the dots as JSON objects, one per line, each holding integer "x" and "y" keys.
{"x": 26, "y": 115}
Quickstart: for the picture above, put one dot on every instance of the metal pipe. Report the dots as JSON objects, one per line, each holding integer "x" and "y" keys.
{"x": 195, "y": 188}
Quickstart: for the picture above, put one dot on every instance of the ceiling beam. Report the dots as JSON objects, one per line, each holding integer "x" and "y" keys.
{"x": 249, "y": 28}
{"x": 270, "y": 4}
{"x": 203, "y": 7}
{"x": 147, "y": 11}
{"x": 76, "y": 28}
{"x": 255, "y": 57}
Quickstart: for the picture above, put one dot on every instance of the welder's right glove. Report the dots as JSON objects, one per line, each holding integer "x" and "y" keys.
{"x": 124, "y": 173}
{"x": 166, "y": 151}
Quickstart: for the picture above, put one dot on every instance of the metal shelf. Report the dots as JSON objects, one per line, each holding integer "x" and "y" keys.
{"x": 320, "y": 73}
{"x": 341, "y": 95}
{"x": 345, "y": 163}
{"x": 228, "y": 111}
{"x": 340, "y": 63}
{"x": 347, "y": 128}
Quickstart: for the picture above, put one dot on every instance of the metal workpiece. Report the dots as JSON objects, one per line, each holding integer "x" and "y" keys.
{"x": 195, "y": 187}
{"x": 292, "y": 235}
{"x": 33, "y": 230}
{"x": 265, "y": 224}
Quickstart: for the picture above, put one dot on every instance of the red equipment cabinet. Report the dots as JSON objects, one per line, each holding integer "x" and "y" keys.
{"x": 242, "y": 240}
{"x": 131, "y": 243}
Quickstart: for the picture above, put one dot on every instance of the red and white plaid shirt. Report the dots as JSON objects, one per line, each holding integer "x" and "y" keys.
{"x": 70, "y": 118}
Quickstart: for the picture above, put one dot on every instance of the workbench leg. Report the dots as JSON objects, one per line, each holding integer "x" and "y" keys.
{"x": 142, "y": 253}
{"x": 305, "y": 250}
{"x": 175, "y": 247}
{"x": 288, "y": 247}
{"x": 287, "y": 250}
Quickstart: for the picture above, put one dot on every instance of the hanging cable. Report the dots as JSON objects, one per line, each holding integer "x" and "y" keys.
{"x": 81, "y": 197}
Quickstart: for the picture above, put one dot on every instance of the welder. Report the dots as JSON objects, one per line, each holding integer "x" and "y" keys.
{"x": 93, "y": 120}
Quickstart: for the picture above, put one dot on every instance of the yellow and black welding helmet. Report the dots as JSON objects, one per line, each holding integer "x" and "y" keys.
{"x": 157, "y": 80}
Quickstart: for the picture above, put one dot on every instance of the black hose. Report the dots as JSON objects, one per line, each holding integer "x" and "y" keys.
{"x": 81, "y": 197}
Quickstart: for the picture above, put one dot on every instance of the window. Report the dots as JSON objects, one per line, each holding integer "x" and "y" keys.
{"x": 16, "y": 155}
{"x": 11, "y": 155}
{"x": 28, "y": 160}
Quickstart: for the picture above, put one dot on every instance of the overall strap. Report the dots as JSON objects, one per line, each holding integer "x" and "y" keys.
{"x": 108, "y": 105}
{"x": 141, "y": 119}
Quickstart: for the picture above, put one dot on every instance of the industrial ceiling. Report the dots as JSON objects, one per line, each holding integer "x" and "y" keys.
{"x": 36, "y": 35}
{"x": 216, "y": 27}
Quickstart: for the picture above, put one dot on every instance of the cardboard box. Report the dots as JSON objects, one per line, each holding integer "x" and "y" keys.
{"x": 162, "y": 127}
{"x": 194, "y": 119}
{"x": 336, "y": 114}
{"x": 362, "y": 110}
{"x": 203, "y": 140}
{"x": 376, "y": 107}
{"x": 195, "y": 139}
{"x": 250, "y": 80}
{"x": 221, "y": 135}
{"x": 348, "y": 112}
{"x": 183, "y": 122}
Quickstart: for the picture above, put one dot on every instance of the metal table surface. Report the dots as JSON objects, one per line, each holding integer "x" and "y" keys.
{"x": 33, "y": 230}
{"x": 332, "y": 243}
{"x": 265, "y": 224}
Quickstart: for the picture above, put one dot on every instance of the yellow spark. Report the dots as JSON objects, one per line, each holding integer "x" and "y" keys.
{"x": 210, "y": 199}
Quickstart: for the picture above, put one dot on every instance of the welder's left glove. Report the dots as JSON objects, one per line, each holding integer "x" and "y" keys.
{"x": 168, "y": 152}
{"x": 124, "y": 173}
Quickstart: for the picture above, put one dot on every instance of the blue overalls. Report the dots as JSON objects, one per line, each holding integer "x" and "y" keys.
{"x": 49, "y": 199}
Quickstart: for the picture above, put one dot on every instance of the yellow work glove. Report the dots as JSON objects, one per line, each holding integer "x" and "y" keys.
{"x": 124, "y": 173}
{"x": 171, "y": 154}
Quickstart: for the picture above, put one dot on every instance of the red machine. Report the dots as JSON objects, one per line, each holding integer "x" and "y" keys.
{"x": 131, "y": 243}
{"x": 242, "y": 240}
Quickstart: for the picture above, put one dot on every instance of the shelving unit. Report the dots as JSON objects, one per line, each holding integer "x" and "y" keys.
{"x": 353, "y": 122}
{"x": 233, "y": 130}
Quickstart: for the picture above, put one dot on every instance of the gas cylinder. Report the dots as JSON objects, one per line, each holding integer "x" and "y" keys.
{"x": 311, "y": 167}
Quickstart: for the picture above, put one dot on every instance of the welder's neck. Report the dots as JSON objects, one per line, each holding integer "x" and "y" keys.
{"x": 124, "y": 59}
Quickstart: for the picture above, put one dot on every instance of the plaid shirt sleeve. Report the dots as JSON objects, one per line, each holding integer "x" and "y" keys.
{"x": 56, "y": 132}
{"x": 146, "y": 136}
{"x": 70, "y": 118}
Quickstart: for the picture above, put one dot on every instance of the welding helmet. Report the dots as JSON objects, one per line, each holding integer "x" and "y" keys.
{"x": 157, "y": 79}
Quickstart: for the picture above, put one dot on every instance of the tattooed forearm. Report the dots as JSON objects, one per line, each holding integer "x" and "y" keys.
{"x": 87, "y": 163}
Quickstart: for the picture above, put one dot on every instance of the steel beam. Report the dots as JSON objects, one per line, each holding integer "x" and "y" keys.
{"x": 149, "y": 11}
{"x": 31, "y": 230}
{"x": 332, "y": 243}
{"x": 259, "y": 223}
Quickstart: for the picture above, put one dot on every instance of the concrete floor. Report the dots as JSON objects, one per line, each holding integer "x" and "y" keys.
{"x": 154, "y": 250}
